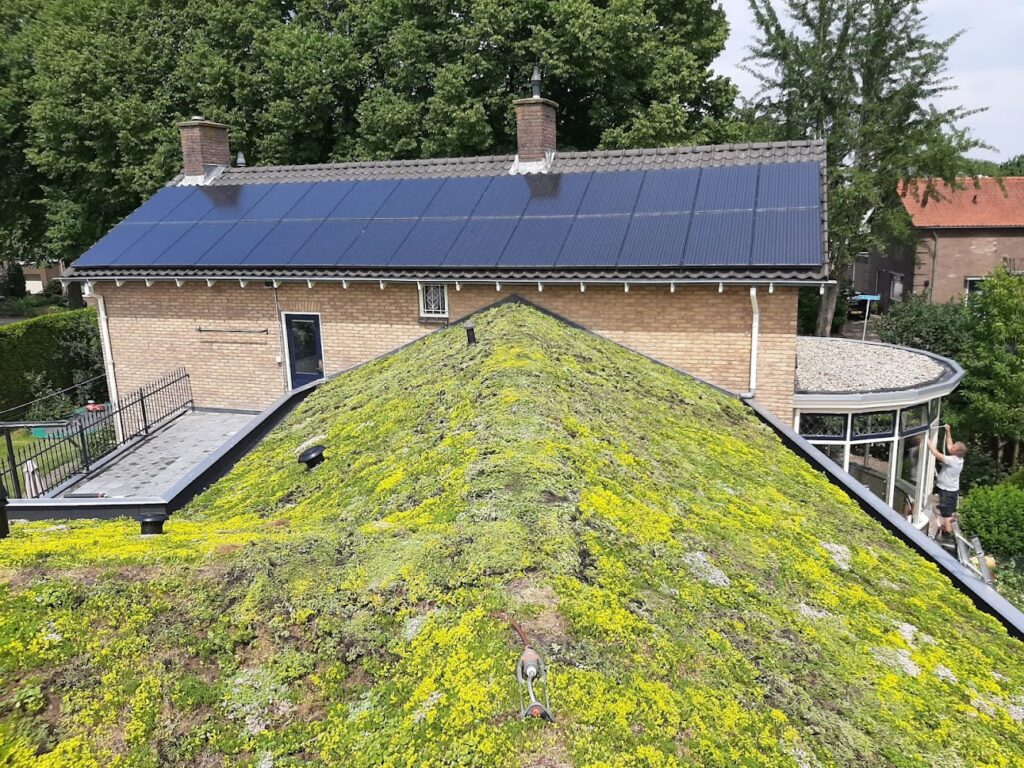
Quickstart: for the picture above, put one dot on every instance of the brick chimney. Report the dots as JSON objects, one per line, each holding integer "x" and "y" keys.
{"x": 535, "y": 125}
{"x": 204, "y": 146}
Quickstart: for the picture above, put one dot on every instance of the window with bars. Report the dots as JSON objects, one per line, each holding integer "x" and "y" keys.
{"x": 823, "y": 425}
{"x": 433, "y": 300}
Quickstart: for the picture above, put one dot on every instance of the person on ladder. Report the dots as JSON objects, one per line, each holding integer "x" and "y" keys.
{"x": 947, "y": 480}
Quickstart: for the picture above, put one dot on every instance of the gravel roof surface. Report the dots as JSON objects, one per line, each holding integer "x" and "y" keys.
{"x": 847, "y": 365}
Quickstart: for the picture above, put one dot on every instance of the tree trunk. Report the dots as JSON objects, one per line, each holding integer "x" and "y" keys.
{"x": 1016, "y": 454}
{"x": 826, "y": 310}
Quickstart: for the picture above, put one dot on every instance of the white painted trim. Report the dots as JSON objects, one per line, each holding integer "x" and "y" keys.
{"x": 424, "y": 315}
{"x": 284, "y": 346}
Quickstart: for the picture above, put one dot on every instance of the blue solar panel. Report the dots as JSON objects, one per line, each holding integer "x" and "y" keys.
{"x": 556, "y": 194}
{"x": 458, "y": 196}
{"x": 237, "y": 244}
{"x": 113, "y": 244}
{"x": 720, "y": 239}
{"x": 789, "y": 185}
{"x": 365, "y": 201}
{"x": 726, "y": 189}
{"x": 147, "y": 249}
{"x": 190, "y": 247}
{"x": 376, "y": 244}
{"x": 277, "y": 202}
{"x": 719, "y": 216}
{"x": 535, "y": 243}
{"x": 230, "y": 203}
{"x": 281, "y": 243}
{"x": 321, "y": 200}
{"x": 428, "y": 243}
{"x": 787, "y": 238}
{"x": 410, "y": 198}
{"x": 612, "y": 193}
{"x": 667, "y": 191}
{"x": 159, "y": 205}
{"x": 594, "y": 242}
{"x": 328, "y": 244}
{"x": 504, "y": 196}
{"x": 481, "y": 243}
{"x": 655, "y": 241}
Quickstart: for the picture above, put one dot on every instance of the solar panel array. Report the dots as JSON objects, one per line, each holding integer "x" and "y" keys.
{"x": 738, "y": 216}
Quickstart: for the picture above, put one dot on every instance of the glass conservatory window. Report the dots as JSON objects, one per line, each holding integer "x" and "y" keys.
{"x": 823, "y": 425}
{"x": 875, "y": 424}
{"x": 869, "y": 464}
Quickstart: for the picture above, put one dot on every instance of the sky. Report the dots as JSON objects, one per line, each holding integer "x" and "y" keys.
{"x": 986, "y": 63}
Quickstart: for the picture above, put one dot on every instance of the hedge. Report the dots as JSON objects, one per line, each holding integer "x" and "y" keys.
{"x": 63, "y": 347}
{"x": 996, "y": 514}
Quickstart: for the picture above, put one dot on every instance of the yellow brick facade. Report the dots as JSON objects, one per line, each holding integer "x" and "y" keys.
{"x": 229, "y": 337}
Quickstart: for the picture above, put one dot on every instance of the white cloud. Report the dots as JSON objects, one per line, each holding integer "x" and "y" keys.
{"x": 983, "y": 63}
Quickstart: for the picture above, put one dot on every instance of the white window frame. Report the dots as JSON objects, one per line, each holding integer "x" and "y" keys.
{"x": 425, "y": 314}
{"x": 967, "y": 285}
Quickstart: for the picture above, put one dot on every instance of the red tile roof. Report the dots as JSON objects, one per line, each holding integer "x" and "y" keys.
{"x": 987, "y": 205}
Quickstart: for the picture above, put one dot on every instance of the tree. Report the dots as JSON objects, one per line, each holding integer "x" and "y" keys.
{"x": 1013, "y": 167}
{"x": 16, "y": 281}
{"x": 940, "y": 328}
{"x": 90, "y": 90}
{"x": 863, "y": 75}
{"x": 993, "y": 387}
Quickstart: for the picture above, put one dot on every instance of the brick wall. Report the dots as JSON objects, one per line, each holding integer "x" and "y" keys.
{"x": 203, "y": 143}
{"x": 963, "y": 253}
{"x": 696, "y": 329}
{"x": 535, "y": 128}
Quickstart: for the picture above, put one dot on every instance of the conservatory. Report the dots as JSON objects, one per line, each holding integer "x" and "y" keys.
{"x": 871, "y": 407}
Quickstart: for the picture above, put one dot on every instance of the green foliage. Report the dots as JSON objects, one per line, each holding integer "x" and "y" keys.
{"x": 940, "y": 328}
{"x": 91, "y": 90}
{"x": 808, "y": 306}
{"x": 1013, "y": 167}
{"x": 993, "y": 389}
{"x": 700, "y": 594}
{"x": 48, "y": 353}
{"x": 15, "y": 282}
{"x": 864, "y": 75}
{"x": 996, "y": 514}
{"x": 1010, "y": 580}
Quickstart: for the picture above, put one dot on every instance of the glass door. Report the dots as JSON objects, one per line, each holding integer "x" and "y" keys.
{"x": 305, "y": 351}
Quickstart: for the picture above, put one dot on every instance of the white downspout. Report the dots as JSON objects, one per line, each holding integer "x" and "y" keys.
{"x": 108, "y": 360}
{"x": 755, "y": 332}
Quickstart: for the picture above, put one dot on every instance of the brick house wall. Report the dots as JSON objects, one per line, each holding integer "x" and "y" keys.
{"x": 963, "y": 253}
{"x": 696, "y": 329}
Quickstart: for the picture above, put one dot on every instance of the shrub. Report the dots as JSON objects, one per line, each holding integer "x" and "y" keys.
{"x": 996, "y": 514}
{"x": 16, "y": 280}
{"x": 940, "y": 328}
{"x": 809, "y": 300}
{"x": 52, "y": 351}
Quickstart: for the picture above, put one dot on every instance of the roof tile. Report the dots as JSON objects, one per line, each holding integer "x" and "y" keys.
{"x": 984, "y": 203}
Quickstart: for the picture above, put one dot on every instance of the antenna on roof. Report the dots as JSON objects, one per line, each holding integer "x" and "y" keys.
{"x": 535, "y": 81}
{"x": 240, "y": 159}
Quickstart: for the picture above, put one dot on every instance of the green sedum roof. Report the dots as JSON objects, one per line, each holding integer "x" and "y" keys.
{"x": 700, "y": 594}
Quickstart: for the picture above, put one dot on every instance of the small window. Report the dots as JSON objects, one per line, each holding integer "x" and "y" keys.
{"x": 821, "y": 425}
{"x": 877, "y": 424}
{"x": 972, "y": 284}
{"x": 914, "y": 419}
{"x": 433, "y": 300}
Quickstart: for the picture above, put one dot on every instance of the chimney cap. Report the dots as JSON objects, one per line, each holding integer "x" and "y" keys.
{"x": 199, "y": 120}
{"x": 535, "y": 81}
{"x": 240, "y": 159}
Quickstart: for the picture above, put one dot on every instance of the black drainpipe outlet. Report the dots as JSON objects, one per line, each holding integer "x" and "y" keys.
{"x": 5, "y": 527}
{"x": 470, "y": 333}
{"x": 152, "y": 523}
{"x": 312, "y": 457}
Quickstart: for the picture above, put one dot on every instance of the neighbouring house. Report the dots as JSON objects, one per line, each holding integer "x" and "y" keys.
{"x": 38, "y": 276}
{"x": 260, "y": 279}
{"x": 962, "y": 237}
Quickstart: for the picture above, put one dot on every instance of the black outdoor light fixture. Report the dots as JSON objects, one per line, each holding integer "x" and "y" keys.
{"x": 152, "y": 523}
{"x": 312, "y": 456}
{"x": 470, "y": 333}
{"x": 5, "y": 527}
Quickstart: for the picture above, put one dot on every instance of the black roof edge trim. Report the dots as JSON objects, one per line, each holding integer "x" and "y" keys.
{"x": 981, "y": 594}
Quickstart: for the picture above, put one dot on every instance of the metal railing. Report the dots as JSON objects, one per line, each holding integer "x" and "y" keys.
{"x": 57, "y": 451}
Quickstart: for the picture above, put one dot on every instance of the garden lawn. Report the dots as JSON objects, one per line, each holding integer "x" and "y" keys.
{"x": 701, "y": 595}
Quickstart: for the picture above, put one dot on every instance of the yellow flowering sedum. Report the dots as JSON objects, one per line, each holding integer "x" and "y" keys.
{"x": 702, "y": 596}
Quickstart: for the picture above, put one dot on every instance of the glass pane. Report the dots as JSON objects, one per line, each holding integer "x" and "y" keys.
{"x": 434, "y": 300}
{"x": 917, "y": 416}
{"x": 834, "y": 451}
{"x": 877, "y": 423}
{"x": 933, "y": 410}
{"x": 869, "y": 464}
{"x": 303, "y": 343}
{"x": 823, "y": 424}
{"x": 911, "y": 451}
